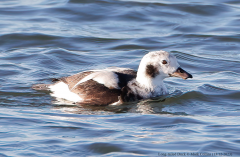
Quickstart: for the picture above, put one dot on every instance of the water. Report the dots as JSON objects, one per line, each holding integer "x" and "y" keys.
{"x": 42, "y": 39}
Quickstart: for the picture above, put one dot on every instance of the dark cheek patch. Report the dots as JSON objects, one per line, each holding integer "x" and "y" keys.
{"x": 151, "y": 71}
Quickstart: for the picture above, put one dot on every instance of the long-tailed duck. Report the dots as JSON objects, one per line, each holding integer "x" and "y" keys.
{"x": 117, "y": 85}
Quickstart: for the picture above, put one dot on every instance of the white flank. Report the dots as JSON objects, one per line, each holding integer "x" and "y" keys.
{"x": 116, "y": 103}
{"x": 61, "y": 90}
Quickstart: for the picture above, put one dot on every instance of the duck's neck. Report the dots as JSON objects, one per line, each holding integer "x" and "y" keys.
{"x": 149, "y": 82}
{"x": 154, "y": 85}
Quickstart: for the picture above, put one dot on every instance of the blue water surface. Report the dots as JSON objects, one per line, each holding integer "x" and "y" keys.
{"x": 41, "y": 40}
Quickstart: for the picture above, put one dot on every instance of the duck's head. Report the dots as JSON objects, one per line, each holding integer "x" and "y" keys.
{"x": 158, "y": 65}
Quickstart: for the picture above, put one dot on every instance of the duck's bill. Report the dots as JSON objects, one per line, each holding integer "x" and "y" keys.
{"x": 181, "y": 73}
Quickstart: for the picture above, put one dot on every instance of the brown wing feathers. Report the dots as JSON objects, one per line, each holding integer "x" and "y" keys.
{"x": 95, "y": 93}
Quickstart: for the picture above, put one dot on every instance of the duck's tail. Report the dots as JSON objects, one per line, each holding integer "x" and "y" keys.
{"x": 41, "y": 86}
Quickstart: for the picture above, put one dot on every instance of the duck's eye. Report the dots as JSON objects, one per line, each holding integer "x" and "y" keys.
{"x": 164, "y": 62}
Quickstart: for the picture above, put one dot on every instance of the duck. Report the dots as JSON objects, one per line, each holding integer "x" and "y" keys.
{"x": 115, "y": 85}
